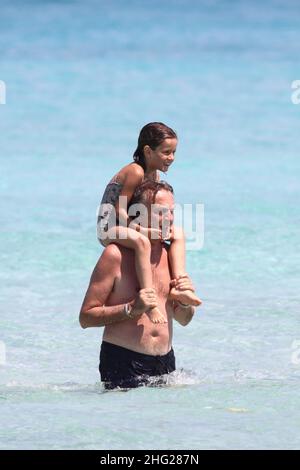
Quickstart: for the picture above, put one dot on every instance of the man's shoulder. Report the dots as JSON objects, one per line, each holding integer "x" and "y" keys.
{"x": 112, "y": 252}
{"x": 114, "y": 259}
{"x": 108, "y": 263}
{"x": 109, "y": 259}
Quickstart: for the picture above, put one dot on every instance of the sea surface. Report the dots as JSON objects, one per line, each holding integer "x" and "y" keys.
{"x": 82, "y": 78}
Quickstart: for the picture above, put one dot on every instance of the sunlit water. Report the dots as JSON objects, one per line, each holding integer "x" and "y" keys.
{"x": 82, "y": 79}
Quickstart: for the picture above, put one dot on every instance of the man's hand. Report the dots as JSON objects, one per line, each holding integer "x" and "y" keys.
{"x": 183, "y": 282}
{"x": 182, "y": 290}
{"x": 145, "y": 300}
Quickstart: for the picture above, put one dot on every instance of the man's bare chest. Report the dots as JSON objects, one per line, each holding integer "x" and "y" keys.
{"x": 127, "y": 283}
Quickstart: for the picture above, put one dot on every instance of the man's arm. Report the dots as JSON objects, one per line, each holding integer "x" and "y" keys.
{"x": 183, "y": 314}
{"x": 93, "y": 311}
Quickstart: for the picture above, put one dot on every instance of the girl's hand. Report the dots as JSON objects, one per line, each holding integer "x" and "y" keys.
{"x": 169, "y": 235}
{"x": 150, "y": 233}
{"x": 154, "y": 234}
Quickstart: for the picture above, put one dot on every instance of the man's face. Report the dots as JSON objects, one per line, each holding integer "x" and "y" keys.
{"x": 161, "y": 214}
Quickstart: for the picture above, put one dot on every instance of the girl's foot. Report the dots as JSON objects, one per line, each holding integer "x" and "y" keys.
{"x": 156, "y": 316}
{"x": 185, "y": 297}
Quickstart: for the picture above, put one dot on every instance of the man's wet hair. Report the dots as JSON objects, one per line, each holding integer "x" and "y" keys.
{"x": 146, "y": 192}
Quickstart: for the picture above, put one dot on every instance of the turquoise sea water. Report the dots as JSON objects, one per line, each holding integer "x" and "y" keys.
{"x": 82, "y": 79}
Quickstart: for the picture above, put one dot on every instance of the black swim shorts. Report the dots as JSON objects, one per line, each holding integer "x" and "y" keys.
{"x": 121, "y": 367}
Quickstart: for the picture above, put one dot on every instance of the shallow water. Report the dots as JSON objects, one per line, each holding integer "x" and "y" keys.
{"x": 82, "y": 79}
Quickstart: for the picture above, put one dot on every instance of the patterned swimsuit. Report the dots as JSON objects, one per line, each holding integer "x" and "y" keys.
{"x": 107, "y": 205}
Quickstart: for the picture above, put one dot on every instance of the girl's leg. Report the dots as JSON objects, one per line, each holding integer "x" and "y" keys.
{"x": 177, "y": 263}
{"x": 130, "y": 238}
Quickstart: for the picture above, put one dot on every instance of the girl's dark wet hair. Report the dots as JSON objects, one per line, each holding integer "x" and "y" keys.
{"x": 146, "y": 192}
{"x": 152, "y": 134}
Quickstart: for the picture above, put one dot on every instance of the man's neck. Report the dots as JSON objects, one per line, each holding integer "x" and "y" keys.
{"x": 156, "y": 251}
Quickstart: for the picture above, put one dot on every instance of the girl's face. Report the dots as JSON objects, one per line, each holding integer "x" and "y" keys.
{"x": 162, "y": 157}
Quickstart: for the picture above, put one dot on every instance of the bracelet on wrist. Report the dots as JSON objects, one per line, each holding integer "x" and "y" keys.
{"x": 128, "y": 310}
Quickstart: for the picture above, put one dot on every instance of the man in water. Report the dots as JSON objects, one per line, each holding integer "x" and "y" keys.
{"x": 134, "y": 349}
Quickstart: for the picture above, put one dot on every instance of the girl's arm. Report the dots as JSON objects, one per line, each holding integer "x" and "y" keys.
{"x": 133, "y": 178}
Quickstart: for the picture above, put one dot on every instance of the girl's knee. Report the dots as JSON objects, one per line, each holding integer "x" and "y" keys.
{"x": 142, "y": 243}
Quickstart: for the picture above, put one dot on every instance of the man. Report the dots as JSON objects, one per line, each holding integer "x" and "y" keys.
{"x": 133, "y": 348}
